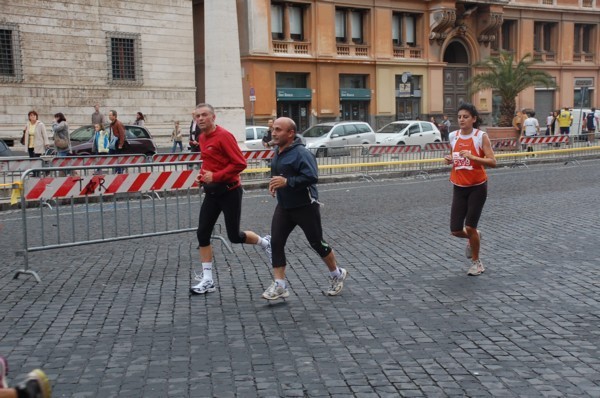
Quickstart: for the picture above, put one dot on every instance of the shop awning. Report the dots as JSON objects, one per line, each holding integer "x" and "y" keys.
{"x": 355, "y": 94}
{"x": 294, "y": 94}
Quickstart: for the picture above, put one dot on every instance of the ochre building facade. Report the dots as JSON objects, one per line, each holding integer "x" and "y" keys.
{"x": 387, "y": 60}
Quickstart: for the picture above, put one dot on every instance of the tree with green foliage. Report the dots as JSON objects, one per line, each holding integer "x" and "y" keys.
{"x": 507, "y": 79}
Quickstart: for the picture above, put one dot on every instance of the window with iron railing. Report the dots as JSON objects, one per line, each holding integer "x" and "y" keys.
{"x": 124, "y": 52}
{"x": 10, "y": 54}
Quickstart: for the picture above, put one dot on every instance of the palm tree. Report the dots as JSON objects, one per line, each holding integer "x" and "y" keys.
{"x": 508, "y": 79}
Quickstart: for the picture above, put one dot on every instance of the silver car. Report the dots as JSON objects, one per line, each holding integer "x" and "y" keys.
{"x": 254, "y": 136}
{"x": 328, "y": 139}
{"x": 409, "y": 132}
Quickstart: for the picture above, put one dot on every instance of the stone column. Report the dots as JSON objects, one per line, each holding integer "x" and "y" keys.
{"x": 223, "y": 70}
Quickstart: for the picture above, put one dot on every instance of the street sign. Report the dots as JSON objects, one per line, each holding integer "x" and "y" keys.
{"x": 253, "y": 98}
{"x": 252, "y": 93}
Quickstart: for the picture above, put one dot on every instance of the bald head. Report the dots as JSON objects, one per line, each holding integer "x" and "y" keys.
{"x": 284, "y": 132}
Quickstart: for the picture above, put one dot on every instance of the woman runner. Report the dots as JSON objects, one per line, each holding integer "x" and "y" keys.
{"x": 471, "y": 151}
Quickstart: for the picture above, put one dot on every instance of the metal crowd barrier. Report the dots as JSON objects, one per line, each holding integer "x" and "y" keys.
{"x": 93, "y": 208}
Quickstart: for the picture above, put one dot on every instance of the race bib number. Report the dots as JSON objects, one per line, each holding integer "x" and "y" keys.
{"x": 461, "y": 163}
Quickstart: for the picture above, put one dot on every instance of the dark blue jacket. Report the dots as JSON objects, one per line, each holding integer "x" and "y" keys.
{"x": 299, "y": 166}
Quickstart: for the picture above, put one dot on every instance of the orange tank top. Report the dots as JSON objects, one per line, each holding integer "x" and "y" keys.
{"x": 465, "y": 173}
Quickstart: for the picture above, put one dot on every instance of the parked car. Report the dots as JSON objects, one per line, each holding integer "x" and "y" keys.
{"x": 4, "y": 149}
{"x": 254, "y": 136}
{"x": 328, "y": 139}
{"x": 138, "y": 138}
{"x": 408, "y": 132}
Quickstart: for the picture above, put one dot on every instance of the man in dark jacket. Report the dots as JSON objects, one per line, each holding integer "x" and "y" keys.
{"x": 294, "y": 176}
{"x": 118, "y": 131}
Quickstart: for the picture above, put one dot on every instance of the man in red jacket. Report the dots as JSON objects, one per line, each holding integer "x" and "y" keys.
{"x": 222, "y": 163}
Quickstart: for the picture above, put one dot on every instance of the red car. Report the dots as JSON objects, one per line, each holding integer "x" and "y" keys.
{"x": 139, "y": 140}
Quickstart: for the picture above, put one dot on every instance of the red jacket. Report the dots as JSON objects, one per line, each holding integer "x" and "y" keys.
{"x": 221, "y": 154}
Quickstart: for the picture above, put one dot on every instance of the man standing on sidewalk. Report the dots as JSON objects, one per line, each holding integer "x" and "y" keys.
{"x": 294, "y": 175}
{"x": 222, "y": 163}
{"x": 117, "y": 137}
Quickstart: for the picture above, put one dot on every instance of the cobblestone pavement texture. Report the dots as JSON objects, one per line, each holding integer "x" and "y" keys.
{"x": 116, "y": 320}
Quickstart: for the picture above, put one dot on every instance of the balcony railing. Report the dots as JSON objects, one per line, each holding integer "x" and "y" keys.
{"x": 587, "y": 3}
{"x": 408, "y": 52}
{"x": 583, "y": 57}
{"x": 351, "y": 50}
{"x": 544, "y": 56}
{"x": 291, "y": 47}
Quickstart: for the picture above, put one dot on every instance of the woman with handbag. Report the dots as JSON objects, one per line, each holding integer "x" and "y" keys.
{"x": 36, "y": 137}
{"x": 62, "y": 141}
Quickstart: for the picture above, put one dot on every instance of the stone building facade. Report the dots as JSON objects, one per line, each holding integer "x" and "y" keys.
{"x": 67, "y": 55}
{"x": 386, "y": 60}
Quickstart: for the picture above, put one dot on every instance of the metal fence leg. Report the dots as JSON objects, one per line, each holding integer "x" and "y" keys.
{"x": 27, "y": 272}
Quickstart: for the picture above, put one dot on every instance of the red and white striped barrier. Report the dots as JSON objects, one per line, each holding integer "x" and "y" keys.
{"x": 19, "y": 165}
{"x": 96, "y": 185}
{"x": 438, "y": 146}
{"x": 393, "y": 149}
{"x": 176, "y": 157}
{"x": 260, "y": 154}
{"x": 504, "y": 143}
{"x": 547, "y": 139}
{"x": 107, "y": 160}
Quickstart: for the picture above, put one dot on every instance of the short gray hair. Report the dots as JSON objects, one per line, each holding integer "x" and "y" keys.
{"x": 205, "y": 105}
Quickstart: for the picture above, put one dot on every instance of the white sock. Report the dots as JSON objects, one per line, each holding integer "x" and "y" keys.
{"x": 207, "y": 271}
{"x": 336, "y": 273}
{"x": 280, "y": 282}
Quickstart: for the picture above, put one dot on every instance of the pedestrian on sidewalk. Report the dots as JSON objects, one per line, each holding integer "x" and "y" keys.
{"x": 471, "y": 152}
{"x": 61, "y": 138}
{"x": 177, "y": 138}
{"x": 294, "y": 177}
{"x": 531, "y": 128}
{"x": 222, "y": 163}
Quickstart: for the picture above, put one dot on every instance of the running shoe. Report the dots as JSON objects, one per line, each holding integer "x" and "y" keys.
{"x": 476, "y": 268}
{"x": 275, "y": 291}
{"x": 268, "y": 249}
{"x": 203, "y": 287}
{"x": 336, "y": 284}
{"x": 36, "y": 385}
{"x": 3, "y": 372}
{"x": 468, "y": 251}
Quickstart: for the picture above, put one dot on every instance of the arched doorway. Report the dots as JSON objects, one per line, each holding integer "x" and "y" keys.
{"x": 456, "y": 75}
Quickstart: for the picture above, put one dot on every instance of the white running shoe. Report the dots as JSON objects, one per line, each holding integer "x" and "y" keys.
{"x": 203, "y": 287}
{"x": 476, "y": 268}
{"x": 337, "y": 283}
{"x": 275, "y": 291}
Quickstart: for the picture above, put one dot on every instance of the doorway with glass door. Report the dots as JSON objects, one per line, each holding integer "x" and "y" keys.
{"x": 295, "y": 110}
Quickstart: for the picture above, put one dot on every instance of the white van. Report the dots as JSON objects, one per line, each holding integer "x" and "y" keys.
{"x": 579, "y": 124}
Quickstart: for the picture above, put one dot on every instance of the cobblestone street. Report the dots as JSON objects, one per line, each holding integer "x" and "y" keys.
{"x": 117, "y": 320}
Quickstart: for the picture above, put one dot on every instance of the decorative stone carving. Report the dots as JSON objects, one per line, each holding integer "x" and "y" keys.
{"x": 491, "y": 23}
{"x": 442, "y": 21}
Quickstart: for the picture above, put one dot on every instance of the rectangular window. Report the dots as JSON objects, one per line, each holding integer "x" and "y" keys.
{"x": 544, "y": 36}
{"x": 357, "y": 27}
{"x": 340, "y": 26}
{"x": 404, "y": 29}
{"x": 411, "y": 33}
{"x": 10, "y": 54}
{"x": 296, "y": 23}
{"x": 277, "y": 21}
{"x": 124, "y": 58}
{"x": 584, "y": 38}
{"x": 397, "y": 29}
{"x": 7, "y": 59}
